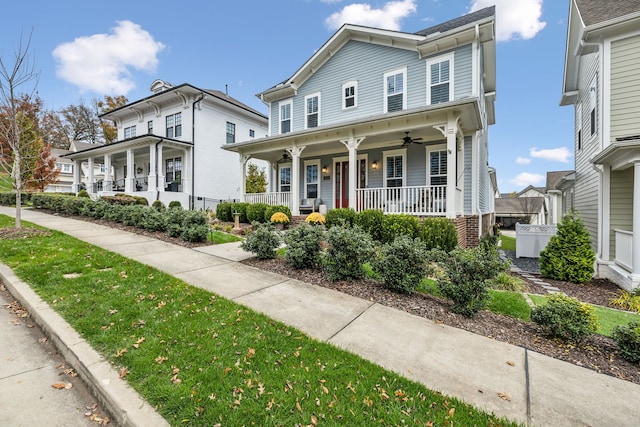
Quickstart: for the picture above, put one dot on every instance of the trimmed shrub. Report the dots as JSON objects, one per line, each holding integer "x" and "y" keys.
{"x": 565, "y": 318}
{"x": 8, "y": 199}
{"x": 348, "y": 249}
{"x": 340, "y": 216}
{"x": 569, "y": 256}
{"x": 303, "y": 246}
{"x": 74, "y": 206}
{"x": 241, "y": 208}
{"x": 628, "y": 340}
{"x": 255, "y": 212}
{"x": 195, "y": 233}
{"x": 263, "y": 242}
{"x": 395, "y": 225}
{"x": 158, "y": 206}
{"x": 270, "y": 210}
{"x": 371, "y": 221}
{"x": 153, "y": 220}
{"x": 83, "y": 193}
{"x": 223, "y": 212}
{"x": 401, "y": 264}
{"x": 466, "y": 273}
{"x": 438, "y": 233}
{"x": 174, "y": 218}
{"x": 174, "y": 204}
{"x": 120, "y": 199}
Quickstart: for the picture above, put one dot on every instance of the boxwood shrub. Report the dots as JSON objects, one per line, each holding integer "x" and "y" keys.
{"x": 395, "y": 225}
{"x": 340, "y": 216}
{"x": 270, "y": 210}
{"x": 371, "y": 221}
{"x": 223, "y": 212}
{"x": 255, "y": 212}
{"x": 348, "y": 248}
{"x": 438, "y": 233}
{"x": 628, "y": 340}
{"x": 565, "y": 317}
{"x": 241, "y": 209}
{"x": 401, "y": 264}
{"x": 263, "y": 241}
{"x": 303, "y": 246}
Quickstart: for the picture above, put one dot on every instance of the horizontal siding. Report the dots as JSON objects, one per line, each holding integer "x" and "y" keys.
{"x": 625, "y": 90}
{"x": 621, "y": 204}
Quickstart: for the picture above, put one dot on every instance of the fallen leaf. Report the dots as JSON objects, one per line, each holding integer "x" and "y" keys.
{"x": 510, "y": 363}
{"x": 123, "y": 372}
{"x": 452, "y": 411}
{"x": 504, "y": 396}
{"x": 60, "y": 386}
{"x": 298, "y": 407}
{"x": 314, "y": 420}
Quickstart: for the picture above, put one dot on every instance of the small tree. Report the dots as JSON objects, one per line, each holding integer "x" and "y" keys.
{"x": 569, "y": 256}
{"x": 256, "y": 179}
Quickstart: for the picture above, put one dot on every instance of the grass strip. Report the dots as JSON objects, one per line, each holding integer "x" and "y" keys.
{"x": 202, "y": 360}
{"x": 508, "y": 243}
{"x": 218, "y": 237}
{"x": 509, "y": 303}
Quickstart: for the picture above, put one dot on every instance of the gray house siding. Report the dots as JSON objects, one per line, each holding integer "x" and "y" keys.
{"x": 366, "y": 64}
{"x": 587, "y": 179}
{"x": 625, "y": 90}
{"x": 621, "y": 205}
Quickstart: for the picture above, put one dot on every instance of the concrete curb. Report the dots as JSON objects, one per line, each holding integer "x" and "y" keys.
{"x": 123, "y": 403}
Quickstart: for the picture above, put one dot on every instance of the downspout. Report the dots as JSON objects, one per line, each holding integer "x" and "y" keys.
{"x": 157, "y": 168}
{"x": 193, "y": 146}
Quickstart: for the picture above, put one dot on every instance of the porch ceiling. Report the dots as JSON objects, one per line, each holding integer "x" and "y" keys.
{"x": 383, "y": 131}
{"x": 120, "y": 148}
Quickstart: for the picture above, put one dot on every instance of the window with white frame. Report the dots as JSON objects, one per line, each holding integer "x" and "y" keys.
{"x": 394, "y": 168}
{"x": 312, "y": 179}
{"x": 285, "y": 116}
{"x": 349, "y": 95}
{"x": 395, "y": 98}
{"x": 129, "y": 132}
{"x": 440, "y": 79}
{"x": 593, "y": 99}
{"x": 252, "y": 133}
{"x": 174, "y": 125}
{"x": 579, "y": 126}
{"x": 284, "y": 178}
{"x": 438, "y": 167}
{"x": 173, "y": 170}
{"x": 150, "y": 127}
{"x": 65, "y": 167}
{"x": 231, "y": 133}
{"x": 312, "y": 111}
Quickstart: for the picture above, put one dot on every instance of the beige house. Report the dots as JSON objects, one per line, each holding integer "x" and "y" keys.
{"x": 601, "y": 70}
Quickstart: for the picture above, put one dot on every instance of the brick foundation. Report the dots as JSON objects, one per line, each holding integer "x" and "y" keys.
{"x": 468, "y": 226}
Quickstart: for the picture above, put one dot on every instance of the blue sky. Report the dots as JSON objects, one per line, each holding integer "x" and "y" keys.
{"x": 87, "y": 49}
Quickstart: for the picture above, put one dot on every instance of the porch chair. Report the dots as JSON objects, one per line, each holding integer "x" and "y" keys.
{"x": 309, "y": 205}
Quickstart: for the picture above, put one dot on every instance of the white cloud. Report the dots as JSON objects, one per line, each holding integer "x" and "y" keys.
{"x": 388, "y": 17}
{"x": 103, "y": 62}
{"x": 523, "y": 160}
{"x": 514, "y": 19}
{"x": 525, "y": 179}
{"x": 561, "y": 154}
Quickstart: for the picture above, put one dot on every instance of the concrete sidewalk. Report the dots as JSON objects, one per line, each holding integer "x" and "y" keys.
{"x": 507, "y": 380}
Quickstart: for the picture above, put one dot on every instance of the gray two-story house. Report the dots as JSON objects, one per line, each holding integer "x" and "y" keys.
{"x": 388, "y": 120}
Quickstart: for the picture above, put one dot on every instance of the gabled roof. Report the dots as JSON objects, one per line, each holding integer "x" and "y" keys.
{"x": 522, "y": 205}
{"x": 425, "y": 42}
{"x": 540, "y": 190}
{"x": 554, "y": 177}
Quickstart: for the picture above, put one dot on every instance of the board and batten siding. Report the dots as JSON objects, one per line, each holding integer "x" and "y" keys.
{"x": 621, "y": 205}
{"x": 625, "y": 90}
{"x": 366, "y": 64}
{"x": 587, "y": 179}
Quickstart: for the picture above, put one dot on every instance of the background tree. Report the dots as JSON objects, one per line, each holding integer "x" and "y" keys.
{"x": 81, "y": 123}
{"x": 45, "y": 171}
{"x": 109, "y": 131}
{"x": 15, "y": 75}
{"x": 256, "y": 179}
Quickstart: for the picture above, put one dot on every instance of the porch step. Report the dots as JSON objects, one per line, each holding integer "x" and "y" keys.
{"x": 297, "y": 220}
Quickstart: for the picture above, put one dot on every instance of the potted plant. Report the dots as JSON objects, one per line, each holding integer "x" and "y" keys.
{"x": 279, "y": 219}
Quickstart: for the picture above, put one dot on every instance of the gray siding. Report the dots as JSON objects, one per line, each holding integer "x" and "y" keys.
{"x": 587, "y": 179}
{"x": 625, "y": 90}
{"x": 367, "y": 63}
{"x": 621, "y": 205}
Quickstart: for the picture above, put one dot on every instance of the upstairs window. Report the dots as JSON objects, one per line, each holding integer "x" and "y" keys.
{"x": 231, "y": 133}
{"x": 174, "y": 125}
{"x": 150, "y": 127}
{"x": 593, "y": 99}
{"x": 349, "y": 95}
{"x": 395, "y": 97}
{"x": 440, "y": 79}
{"x": 312, "y": 111}
{"x": 285, "y": 117}
{"x": 129, "y": 132}
{"x": 252, "y": 133}
{"x": 579, "y": 126}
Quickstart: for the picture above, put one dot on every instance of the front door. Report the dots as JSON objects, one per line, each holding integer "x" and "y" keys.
{"x": 342, "y": 184}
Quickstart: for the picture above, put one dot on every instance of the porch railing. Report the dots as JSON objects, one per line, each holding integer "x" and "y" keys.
{"x": 624, "y": 249}
{"x": 272, "y": 199}
{"x": 420, "y": 200}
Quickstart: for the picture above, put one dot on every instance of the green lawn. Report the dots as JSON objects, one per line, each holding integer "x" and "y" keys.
{"x": 607, "y": 318}
{"x": 218, "y": 237}
{"x": 509, "y": 303}
{"x": 508, "y": 243}
{"x": 6, "y": 183}
{"x": 203, "y": 360}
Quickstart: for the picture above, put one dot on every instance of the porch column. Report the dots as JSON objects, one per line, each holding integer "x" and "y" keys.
{"x": 128, "y": 180}
{"x": 352, "y": 145}
{"x": 160, "y": 169}
{"x": 91, "y": 185}
{"x": 273, "y": 173}
{"x": 452, "y": 159}
{"x": 295, "y": 179}
{"x": 77, "y": 169}
{"x": 186, "y": 173}
{"x": 151, "y": 179}
{"x": 243, "y": 179}
{"x": 635, "y": 274}
{"x": 106, "y": 182}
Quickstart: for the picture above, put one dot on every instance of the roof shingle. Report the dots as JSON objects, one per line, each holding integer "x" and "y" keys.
{"x": 597, "y": 11}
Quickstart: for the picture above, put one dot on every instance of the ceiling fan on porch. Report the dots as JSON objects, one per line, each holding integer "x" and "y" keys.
{"x": 407, "y": 140}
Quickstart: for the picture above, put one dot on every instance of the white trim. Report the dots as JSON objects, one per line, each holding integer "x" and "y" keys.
{"x": 402, "y": 71}
{"x": 401, "y": 152}
{"x": 313, "y": 162}
{"x": 306, "y": 115}
{"x": 437, "y": 60}
{"x": 475, "y": 70}
{"x": 354, "y": 84}
{"x": 341, "y": 159}
{"x": 289, "y": 102}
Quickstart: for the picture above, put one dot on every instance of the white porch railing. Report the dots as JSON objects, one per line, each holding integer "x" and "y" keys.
{"x": 532, "y": 239}
{"x": 624, "y": 249}
{"x": 271, "y": 199}
{"x": 420, "y": 200}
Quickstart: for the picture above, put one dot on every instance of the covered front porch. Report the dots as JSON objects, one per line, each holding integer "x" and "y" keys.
{"x": 148, "y": 166}
{"x": 418, "y": 162}
{"x": 620, "y": 244}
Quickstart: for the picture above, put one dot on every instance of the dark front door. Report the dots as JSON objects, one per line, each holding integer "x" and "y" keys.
{"x": 342, "y": 184}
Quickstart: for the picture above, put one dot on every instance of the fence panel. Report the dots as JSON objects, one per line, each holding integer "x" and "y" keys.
{"x": 532, "y": 239}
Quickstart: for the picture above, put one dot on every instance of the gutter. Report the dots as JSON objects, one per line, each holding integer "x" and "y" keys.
{"x": 193, "y": 149}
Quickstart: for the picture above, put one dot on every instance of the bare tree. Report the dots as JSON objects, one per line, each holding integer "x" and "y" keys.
{"x": 16, "y": 74}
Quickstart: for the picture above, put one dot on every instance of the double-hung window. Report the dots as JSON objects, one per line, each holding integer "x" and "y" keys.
{"x": 129, "y": 132}
{"x": 312, "y": 179}
{"x": 284, "y": 175}
{"x": 440, "y": 79}
{"x": 438, "y": 167}
{"x": 174, "y": 125}
{"x": 231, "y": 133}
{"x": 150, "y": 127}
{"x": 394, "y": 168}
{"x": 285, "y": 116}
{"x": 395, "y": 98}
{"x": 173, "y": 170}
{"x": 349, "y": 95}
{"x": 593, "y": 99}
{"x": 312, "y": 111}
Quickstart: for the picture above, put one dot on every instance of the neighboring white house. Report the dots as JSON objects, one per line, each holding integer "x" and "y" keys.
{"x": 380, "y": 119}
{"x": 64, "y": 183}
{"x": 601, "y": 70}
{"x": 168, "y": 147}
{"x": 558, "y": 199}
